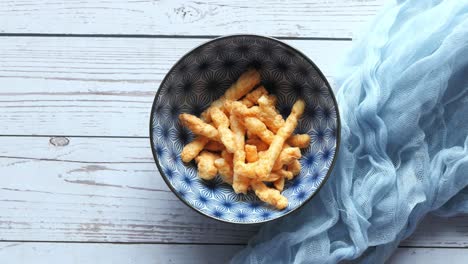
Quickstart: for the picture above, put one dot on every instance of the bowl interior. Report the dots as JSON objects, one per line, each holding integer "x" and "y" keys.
{"x": 201, "y": 77}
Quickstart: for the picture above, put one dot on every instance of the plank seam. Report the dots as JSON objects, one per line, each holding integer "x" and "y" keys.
{"x": 153, "y": 36}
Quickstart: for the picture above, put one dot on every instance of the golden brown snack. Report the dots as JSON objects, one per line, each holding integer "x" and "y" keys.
{"x": 206, "y": 167}
{"x": 251, "y": 154}
{"x": 270, "y": 152}
{"x": 251, "y": 98}
{"x": 228, "y": 157}
{"x": 198, "y": 126}
{"x": 299, "y": 140}
{"x": 261, "y": 146}
{"x": 265, "y": 164}
{"x": 240, "y": 183}
{"x": 258, "y": 128}
{"x": 224, "y": 170}
{"x": 221, "y": 122}
{"x": 214, "y": 146}
{"x": 287, "y": 155}
{"x": 269, "y": 196}
{"x": 192, "y": 149}
{"x": 268, "y": 113}
{"x": 241, "y": 110}
{"x": 279, "y": 184}
{"x": 295, "y": 168}
{"x": 246, "y": 82}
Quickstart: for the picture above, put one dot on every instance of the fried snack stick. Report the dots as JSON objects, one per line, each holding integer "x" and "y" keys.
{"x": 258, "y": 128}
{"x": 240, "y": 109}
{"x": 269, "y": 196}
{"x": 224, "y": 170}
{"x": 265, "y": 164}
{"x": 206, "y": 167}
{"x": 269, "y": 114}
{"x": 221, "y": 122}
{"x": 198, "y": 126}
{"x": 214, "y": 146}
{"x": 246, "y": 82}
{"x": 257, "y": 142}
{"x": 295, "y": 168}
{"x": 287, "y": 155}
{"x": 275, "y": 175}
{"x": 279, "y": 184}
{"x": 228, "y": 157}
{"x": 192, "y": 149}
{"x": 240, "y": 183}
{"x": 251, "y": 154}
{"x": 251, "y": 98}
{"x": 300, "y": 140}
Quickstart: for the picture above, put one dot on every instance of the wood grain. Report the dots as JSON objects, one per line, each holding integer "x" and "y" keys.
{"x": 109, "y": 190}
{"x": 322, "y": 18}
{"x": 90, "y": 253}
{"x": 98, "y": 86}
{"x": 54, "y": 253}
{"x": 429, "y": 256}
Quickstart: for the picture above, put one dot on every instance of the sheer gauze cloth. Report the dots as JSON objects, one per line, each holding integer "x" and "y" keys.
{"x": 403, "y": 99}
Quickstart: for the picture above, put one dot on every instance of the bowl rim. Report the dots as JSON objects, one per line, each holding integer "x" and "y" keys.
{"x": 338, "y": 128}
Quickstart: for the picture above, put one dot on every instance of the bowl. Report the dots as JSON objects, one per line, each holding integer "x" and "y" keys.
{"x": 200, "y": 77}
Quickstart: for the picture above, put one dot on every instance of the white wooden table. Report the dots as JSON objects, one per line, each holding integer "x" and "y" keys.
{"x": 77, "y": 78}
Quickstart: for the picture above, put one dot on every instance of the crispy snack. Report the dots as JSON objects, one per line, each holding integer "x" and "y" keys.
{"x": 251, "y": 154}
{"x": 257, "y": 142}
{"x": 269, "y": 196}
{"x": 240, "y": 182}
{"x": 279, "y": 184}
{"x": 191, "y": 150}
{"x": 287, "y": 155}
{"x": 265, "y": 164}
{"x": 206, "y": 167}
{"x": 224, "y": 170}
{"x": 251, "y": 98}
{"x": 228, "y": 157}
{"x": 241, "y": 110}
{"x": 246, "y": 82}
{"x": 300, "y": 140}
{"x": 269, "y": 114}
{"x": 258, "y": 128}
{"x": 221, "y": 121}
{"x": 253, "y": 141}
{"x": 295, "y": 168}
{"x": 284, "y": 173}
{"x": 214, "y": 146}
{"x": 198, "y": 126}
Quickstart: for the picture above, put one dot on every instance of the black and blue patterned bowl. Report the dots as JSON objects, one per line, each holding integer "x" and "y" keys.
{"x": 202, "y": 76}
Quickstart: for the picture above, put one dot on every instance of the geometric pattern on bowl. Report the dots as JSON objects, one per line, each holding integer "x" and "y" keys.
{"x": 202, "y": 76}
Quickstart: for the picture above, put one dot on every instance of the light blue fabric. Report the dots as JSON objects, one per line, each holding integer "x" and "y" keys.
{"x": 403, "y": 100}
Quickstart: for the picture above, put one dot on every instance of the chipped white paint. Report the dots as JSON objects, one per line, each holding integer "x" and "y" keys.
{"x": 319, "y": 18}
{"x": 90, "y": 253}
{"x": 98, "y": 86}
{"x": 82, "y": 189}
{"x": 109, "y": 190}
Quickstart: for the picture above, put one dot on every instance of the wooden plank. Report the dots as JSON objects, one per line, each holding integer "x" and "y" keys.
{"x": 429, "y": 255}
{"x": 98, "y": 86}
{"x": 109, "y": 190}
{"x": 53, "y": 253}
{"x": 79, "y": 193}
{"x": 87, "y": 253}
{"x": 321, "y": 18}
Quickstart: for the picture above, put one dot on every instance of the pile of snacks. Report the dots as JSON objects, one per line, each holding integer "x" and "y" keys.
{"x": 243, "y": 138}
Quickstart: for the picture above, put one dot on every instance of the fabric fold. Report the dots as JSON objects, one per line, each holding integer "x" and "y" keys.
{"x": 403, "y": 100}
